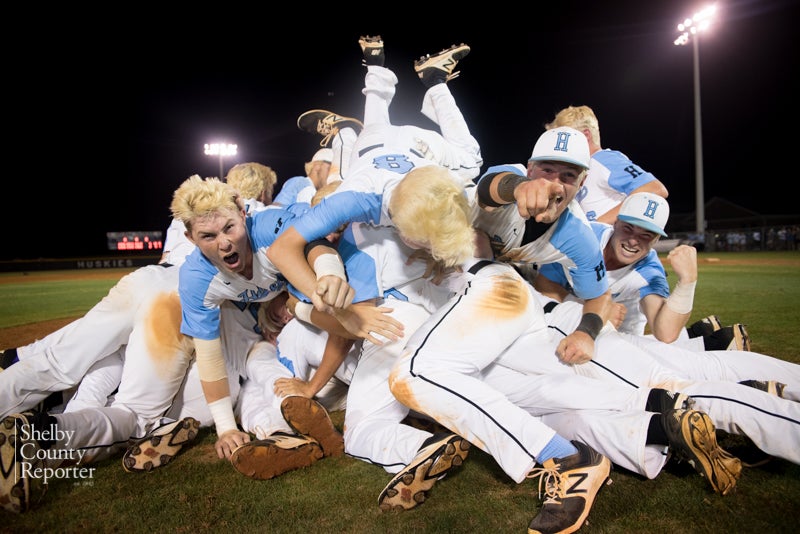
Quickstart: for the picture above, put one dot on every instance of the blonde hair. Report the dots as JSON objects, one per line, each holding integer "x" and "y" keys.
{"x": 324, "y": 191}
{"x": 578, "y": 117}
{"x": 196, "y": 198}
{"x": 428, "y": 207}
{"x": 251, "y": 179}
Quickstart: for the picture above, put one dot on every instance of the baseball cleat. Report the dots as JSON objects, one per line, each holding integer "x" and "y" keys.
{"x": 436, "y": 457}
{"x": 372, "y": 48}
{"x": 309, "y": 418}
{"x": 662, "y": 400}
{"x": 693, "y": 437}
{"x": 741, "y": 339}
{"x": 570, "y": 486}
{"x": 8, "y": 357}
{"x": 773, "y": 387}
{"x": 734, "y": 337}
{"x": 704, "y": 327}
{"x": 160, "y": 446}
{"x": 326, "y": 123}
{"x": 281, "y": 452}
{"x": 15, "y": 485}
{"x": 440, "y": 67}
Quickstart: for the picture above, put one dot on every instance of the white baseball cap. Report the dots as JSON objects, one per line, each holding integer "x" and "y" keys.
{"x": 323, "y": 154}
{"x": 562, "y": 144}
{"x": 647, "y": 210}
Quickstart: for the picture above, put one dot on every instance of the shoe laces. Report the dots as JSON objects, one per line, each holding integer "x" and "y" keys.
{"x": 327, "y": 129}
{"x": 550, "y": 478}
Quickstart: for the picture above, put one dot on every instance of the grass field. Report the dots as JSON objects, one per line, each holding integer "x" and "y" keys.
{"x": 199, "y": 493}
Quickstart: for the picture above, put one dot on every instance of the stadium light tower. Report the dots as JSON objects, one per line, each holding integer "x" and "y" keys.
{"x": 221, "y": 150}
{"x": 690, "y": 31}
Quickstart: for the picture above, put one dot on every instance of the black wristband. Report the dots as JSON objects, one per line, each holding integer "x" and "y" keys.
{"x": 507, "y": 185}
{"x": 591, "y": 324}
{"x": 484, "y": 196}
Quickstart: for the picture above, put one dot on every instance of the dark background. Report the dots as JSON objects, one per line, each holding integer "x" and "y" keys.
{"x": 109, "y": 118}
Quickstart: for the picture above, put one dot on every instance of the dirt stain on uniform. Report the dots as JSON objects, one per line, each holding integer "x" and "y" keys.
{"x": 163, "y": 335}
{"x": 509, "y": 297}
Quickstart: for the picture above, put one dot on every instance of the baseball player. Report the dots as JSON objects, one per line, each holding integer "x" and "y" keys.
{"x": 386, "y": 154}
{"x": 230, "y": 264}
{"x": 638, "y": 280}
{"x": 254, "y": 181}
{"x": 612, "y": 175}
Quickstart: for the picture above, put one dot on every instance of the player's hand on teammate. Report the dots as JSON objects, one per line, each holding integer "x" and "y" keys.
{"x": 540, "y": 199}
{"x": 332, "y": 293}
{"x": 368, "y": 322}
{"x": 229, "y": 441}
{"x": 683, "y": 260}
{"x": 617, "y": 314}
{"x": 286, "y": 387}
{"x": 576, "y": 348}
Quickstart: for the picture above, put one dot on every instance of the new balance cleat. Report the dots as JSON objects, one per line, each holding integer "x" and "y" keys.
{"x": 18, "y": 457}
{"x": 570, "y": 486}
{"x": 436, "y": 457}
{"x": 773, "y": 387}
{"x": 281, "y": 452}
{"x": 440, "y": 67}
{"x": 693, "y": 438}
{"x": 309, "y": 418}
{"x": 160, "y": 446}
{"x": 326, "y": 123}
{"x": 372, "y": 48}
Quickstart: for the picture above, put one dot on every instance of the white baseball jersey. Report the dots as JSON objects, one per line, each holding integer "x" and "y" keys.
{"x": 612, "y": 177}
{"x": 569, "y": 240}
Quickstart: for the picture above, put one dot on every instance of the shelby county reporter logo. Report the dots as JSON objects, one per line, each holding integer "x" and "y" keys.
{"x": 59, "y": 461}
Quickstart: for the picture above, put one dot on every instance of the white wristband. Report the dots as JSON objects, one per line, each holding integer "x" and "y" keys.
{"x": 302, "y": 310}
{"x": 682, "y": 298}
{"x": 222, "y": 412}
{"x": 327, "y": 264}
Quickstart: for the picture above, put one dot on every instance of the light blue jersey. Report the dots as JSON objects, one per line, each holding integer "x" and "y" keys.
{"x": 612, "y": 177}
{"x": 203, "y": 287}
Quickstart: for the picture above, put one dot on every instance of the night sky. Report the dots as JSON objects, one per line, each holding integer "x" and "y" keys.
{"x": 113, "y": 117}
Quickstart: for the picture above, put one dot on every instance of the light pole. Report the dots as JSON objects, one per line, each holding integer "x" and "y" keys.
{"x": 221, "y": 150}
{"x": 690, "y": 31}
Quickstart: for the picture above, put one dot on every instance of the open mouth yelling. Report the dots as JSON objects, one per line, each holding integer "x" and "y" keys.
{"x": 231, "y": 259}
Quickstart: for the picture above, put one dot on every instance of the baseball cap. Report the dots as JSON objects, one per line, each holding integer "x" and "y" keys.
{"x": 323, "y": 154}
{"x": 647, "y": 210}
{"x": 562, "y": 144}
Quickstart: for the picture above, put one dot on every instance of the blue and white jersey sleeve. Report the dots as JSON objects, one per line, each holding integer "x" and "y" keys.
{"x": 340, "y": 208}
{"x": 582, "y": 257}
{"x": 572, "y": 243}
{"x": 612, "y": 177}
{"x": 290, "y": 189}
